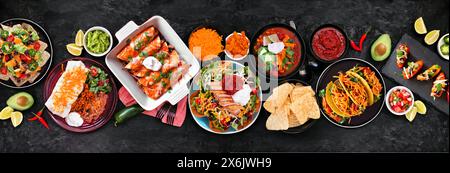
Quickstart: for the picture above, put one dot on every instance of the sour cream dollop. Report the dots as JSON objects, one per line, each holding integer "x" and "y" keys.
{"x": 276, "y": 47}
{"x": 74, "y": 119}
{"x": 242, "y": 96}
{"x": 152, "y": 63}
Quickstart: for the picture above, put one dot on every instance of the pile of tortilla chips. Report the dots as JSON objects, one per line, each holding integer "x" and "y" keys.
{"x": 291, "y": 105}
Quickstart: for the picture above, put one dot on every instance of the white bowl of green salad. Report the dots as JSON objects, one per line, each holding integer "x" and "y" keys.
{"x": 97, "y": 41}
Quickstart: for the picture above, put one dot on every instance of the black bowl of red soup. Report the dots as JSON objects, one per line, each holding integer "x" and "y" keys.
{"x": 279, "y": 51}
{"x": 328, "y": 43}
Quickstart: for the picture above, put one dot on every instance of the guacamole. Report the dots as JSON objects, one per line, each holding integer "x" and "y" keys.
{"x": 97, "y": 41}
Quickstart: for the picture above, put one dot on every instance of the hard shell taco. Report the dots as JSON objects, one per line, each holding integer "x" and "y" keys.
{"x": 338, "y": 104}
{"x": 355, "y": 90}
{"x": 371, "y": 83}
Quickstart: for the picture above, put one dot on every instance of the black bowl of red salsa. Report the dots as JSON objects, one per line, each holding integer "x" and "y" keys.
{"x": 328, "y": 43}
{"x": 281, "y": 65}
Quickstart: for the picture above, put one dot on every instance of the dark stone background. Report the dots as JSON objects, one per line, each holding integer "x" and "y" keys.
{"x": 387, "y": 133}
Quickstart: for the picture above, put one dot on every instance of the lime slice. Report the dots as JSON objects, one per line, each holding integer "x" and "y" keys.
{"x": 79, "y": 38}
{"x": 421, "y": 109}
{"x": 6, "y": 113}
{"x": 411, "y": 114}
{"x": 74, "y": 49}
{"x": 419, "y": 26}
{"x": 432, "y": 37}
{"x": 16, "y": 118}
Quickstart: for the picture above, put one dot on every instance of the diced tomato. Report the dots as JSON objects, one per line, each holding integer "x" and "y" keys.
{"x": 36, "y": 46}
{"x": 6, "y": 58}
{"x": 10, "y": 38}
{"x": 25, "y": 58}
{"x": 397, "y": 109}
{"x": 94, "y": 72}
{"x": 197, "y": 101}
{"x": 107, "y": 81}
{"x": 100, "y": 83}
{"x": 3, "y": 70}
{"x": 22, "y": 76}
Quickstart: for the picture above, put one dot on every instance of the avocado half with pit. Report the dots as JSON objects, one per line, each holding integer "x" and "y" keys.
{"x": 20, "y": 101}
{"x": 381, "y": 48}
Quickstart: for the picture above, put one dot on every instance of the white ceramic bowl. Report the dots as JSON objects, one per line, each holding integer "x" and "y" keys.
{"x": 230, "y": 55}
{"x": 389, "y": 106}
{"x": 101, "y": 29}
{"x": 179, "y": 90}
{"x": 439, "y": 44}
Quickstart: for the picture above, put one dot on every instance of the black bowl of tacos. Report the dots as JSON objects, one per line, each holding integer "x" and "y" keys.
{"x": 350, "y": 93}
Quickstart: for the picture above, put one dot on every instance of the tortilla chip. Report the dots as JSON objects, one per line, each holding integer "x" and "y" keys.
{"x": 304, "y": 108}
{"x": 293, "y": 121}
{"x": 279, "y": 96}
{"x": 299, "y": 91}
{"x": 4, "y": 77}
{"x": 278, "y": 120}
{"x": 18, "y": 82}
{"x": 43, "y": 46}
{"x": 33, "y": 77}
{"x": 28, "y": 27}
{"x": 7, "y": 28}
{"x": 45, "y": 57}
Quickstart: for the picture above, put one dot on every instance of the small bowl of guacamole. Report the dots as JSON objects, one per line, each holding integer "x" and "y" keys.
{"x": 97, "y": 41}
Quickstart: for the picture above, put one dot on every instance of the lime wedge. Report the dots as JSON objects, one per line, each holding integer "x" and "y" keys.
{"x": 421, "y": 108}
{"x": 6, "y": 113}
{"x": 432, "y": 37}
{"x": 411, "y": 114}
{"x": 79, "y": 38}
{"x": 419, "y": 26}
{"x": 16, "y": 118}
{"x": 74, "y": 49}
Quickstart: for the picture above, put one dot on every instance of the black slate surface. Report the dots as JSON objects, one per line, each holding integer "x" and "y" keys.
{"x": 387, "y": 133}
{"x": 420, "y": 88}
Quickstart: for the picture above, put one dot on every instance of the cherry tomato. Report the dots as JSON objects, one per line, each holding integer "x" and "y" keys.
{"x": 5, "y": 71}
{"x": 94, "y": 72}
{"x": 10, "y": 38}
{"x": 36, "y": 46}
{"x": 100, "y": 83}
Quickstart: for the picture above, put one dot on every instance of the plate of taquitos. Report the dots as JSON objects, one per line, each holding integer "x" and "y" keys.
{"x": 350, "y": 92}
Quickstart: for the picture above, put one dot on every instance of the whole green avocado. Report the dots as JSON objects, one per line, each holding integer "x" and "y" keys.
{"x": 381, "y": 48}
{"x": 20, "y": 101}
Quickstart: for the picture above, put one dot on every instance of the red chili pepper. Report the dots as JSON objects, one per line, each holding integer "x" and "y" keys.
{"x": 38, "y": 116}
{"x": 363, "y": 38}
{"x": 43, "y": 122}
{"x": 356, "y": 48}
{"x": 359, "y": 47}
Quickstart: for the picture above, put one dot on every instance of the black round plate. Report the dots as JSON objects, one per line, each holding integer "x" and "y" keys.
{"x": 309, "y": 123}
{"x": 43, "y": 37}
{"x": 343, "y": 65}
{"x": 255, "y": 54}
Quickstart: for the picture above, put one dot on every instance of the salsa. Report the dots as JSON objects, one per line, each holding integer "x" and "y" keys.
{"x": 279, "y": 51}
{"x": 400, "y": 100}
{"x": 328, "y": 43}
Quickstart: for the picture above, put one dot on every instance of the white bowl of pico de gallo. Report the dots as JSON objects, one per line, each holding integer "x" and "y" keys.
{"x": 399, "y": 100}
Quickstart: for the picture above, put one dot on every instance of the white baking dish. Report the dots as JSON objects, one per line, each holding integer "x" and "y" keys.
{"x": 179, "y": 90}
